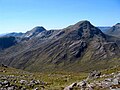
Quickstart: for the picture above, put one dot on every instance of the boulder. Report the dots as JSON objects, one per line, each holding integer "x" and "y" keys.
{"x": 11, "y": 88}
{"x": 5, "y": 66}
{"x": 115, "y": 81}
{"x": 82, "y": 84}
{"x": 6, "y": 83}
{"x": 70, "y": 87}
{"x": 94, "y": 74}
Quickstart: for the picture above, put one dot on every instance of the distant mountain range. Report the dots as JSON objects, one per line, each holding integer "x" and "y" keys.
{"x": 14, "y": 34}
{"x": 104, "y": 28}
{"x": 79, "y": 47}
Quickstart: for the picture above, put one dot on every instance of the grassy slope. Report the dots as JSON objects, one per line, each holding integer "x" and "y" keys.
{"x": 55, "y": 80}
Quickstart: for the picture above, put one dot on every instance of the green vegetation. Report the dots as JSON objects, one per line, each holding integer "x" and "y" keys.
{"x": 53, "y": 81}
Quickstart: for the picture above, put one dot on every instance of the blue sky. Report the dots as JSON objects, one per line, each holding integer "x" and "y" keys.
{"x": 23, "y": 15}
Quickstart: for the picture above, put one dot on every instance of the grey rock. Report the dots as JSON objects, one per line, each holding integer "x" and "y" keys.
{"x": 36, "y": 89}
{"x": 10, "y": 88}
{"x": 70, "y": 86}
{"x": 106, "y": 84}
{"x": 108, "y": 80}
{"x": 115, "y": 81}
{"x": 6, "y": 82}
{"x": 114, "y": 88}
{"x": 23, "y": 82}
{"x": 94, "y": 74}
{"x": 82, "y": 83}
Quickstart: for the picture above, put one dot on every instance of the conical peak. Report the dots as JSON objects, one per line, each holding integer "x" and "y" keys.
{"x": 84, "y": 21}
{"x": 84, "y": 24}
{"x": 38, "y": 29}
{"x": 118, "y": 24}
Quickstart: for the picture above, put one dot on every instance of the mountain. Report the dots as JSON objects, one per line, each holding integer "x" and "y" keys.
{"x": 35, "y": 31}
{"x": 104, "y": 28}
{"x": 10, "y": 39}
{"x": 1, "y": 35}
{"x": 14, "y": 34}
{"x": 6, "y": 42}
{"x": 114, "y": 31}
{"x": 79, "y": 47}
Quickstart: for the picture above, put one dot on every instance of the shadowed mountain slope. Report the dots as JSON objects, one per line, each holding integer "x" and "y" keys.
{"x": 6, "y": 42}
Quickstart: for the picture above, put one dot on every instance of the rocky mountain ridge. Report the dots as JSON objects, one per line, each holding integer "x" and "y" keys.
{"x": 79, "y": 47}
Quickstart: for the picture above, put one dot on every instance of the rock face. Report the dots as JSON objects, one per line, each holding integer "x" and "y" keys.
{"x": 78, "y": 47}
{"x": 114, "y": 31}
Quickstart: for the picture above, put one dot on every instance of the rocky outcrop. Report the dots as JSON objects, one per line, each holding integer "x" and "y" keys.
{"x": 94, "y": 74}
{"x": 103, "y": 82}
{"x": 19, "y": 80}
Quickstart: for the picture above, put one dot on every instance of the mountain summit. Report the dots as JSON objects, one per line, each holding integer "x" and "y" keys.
{"x": 35, "y": 31}
{"x": 38, "y": 29}
{"x": 79, "y": 47}
{"x": 85, "y": 29}
{"x": 115, "y": 30}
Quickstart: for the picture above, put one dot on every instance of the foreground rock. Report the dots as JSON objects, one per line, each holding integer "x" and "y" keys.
{"x": 94, "y": 82}
{"x": 70, "y": 87}
{"x": 19, "y": 80}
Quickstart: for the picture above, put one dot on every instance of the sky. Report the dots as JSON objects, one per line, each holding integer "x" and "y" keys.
{"x": 23, "y": 15}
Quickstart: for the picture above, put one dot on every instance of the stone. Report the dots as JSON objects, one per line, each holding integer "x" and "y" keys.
{"x": 106, "y": 84}
{"x": 94, "y": 74}
{"x": 82, "y": 84}
{"x": 37, "y": 82}
{"x": 70, "y": 86}
{"x": 23, "y": 88}
{"x": 10, "y": 88}
{"x": 108, "y": 80}
{"x": 36, "y": 89}
{"x": 6, "y": 82}
{"x": 115, "y": 81}
{"x": 5, "y": 66}
{"x": 23, "y": 82}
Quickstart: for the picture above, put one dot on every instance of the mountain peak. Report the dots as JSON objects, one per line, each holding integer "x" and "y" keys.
{"x": 79, "y": 24}
{"x": 83, "y": 22}
{"x": 114, "y": 31}
{"x": 38, "y": 29}
{"x": 35, "y": 31}
{"x": 83, "y": 29}
{"x": 118, "y": 24}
